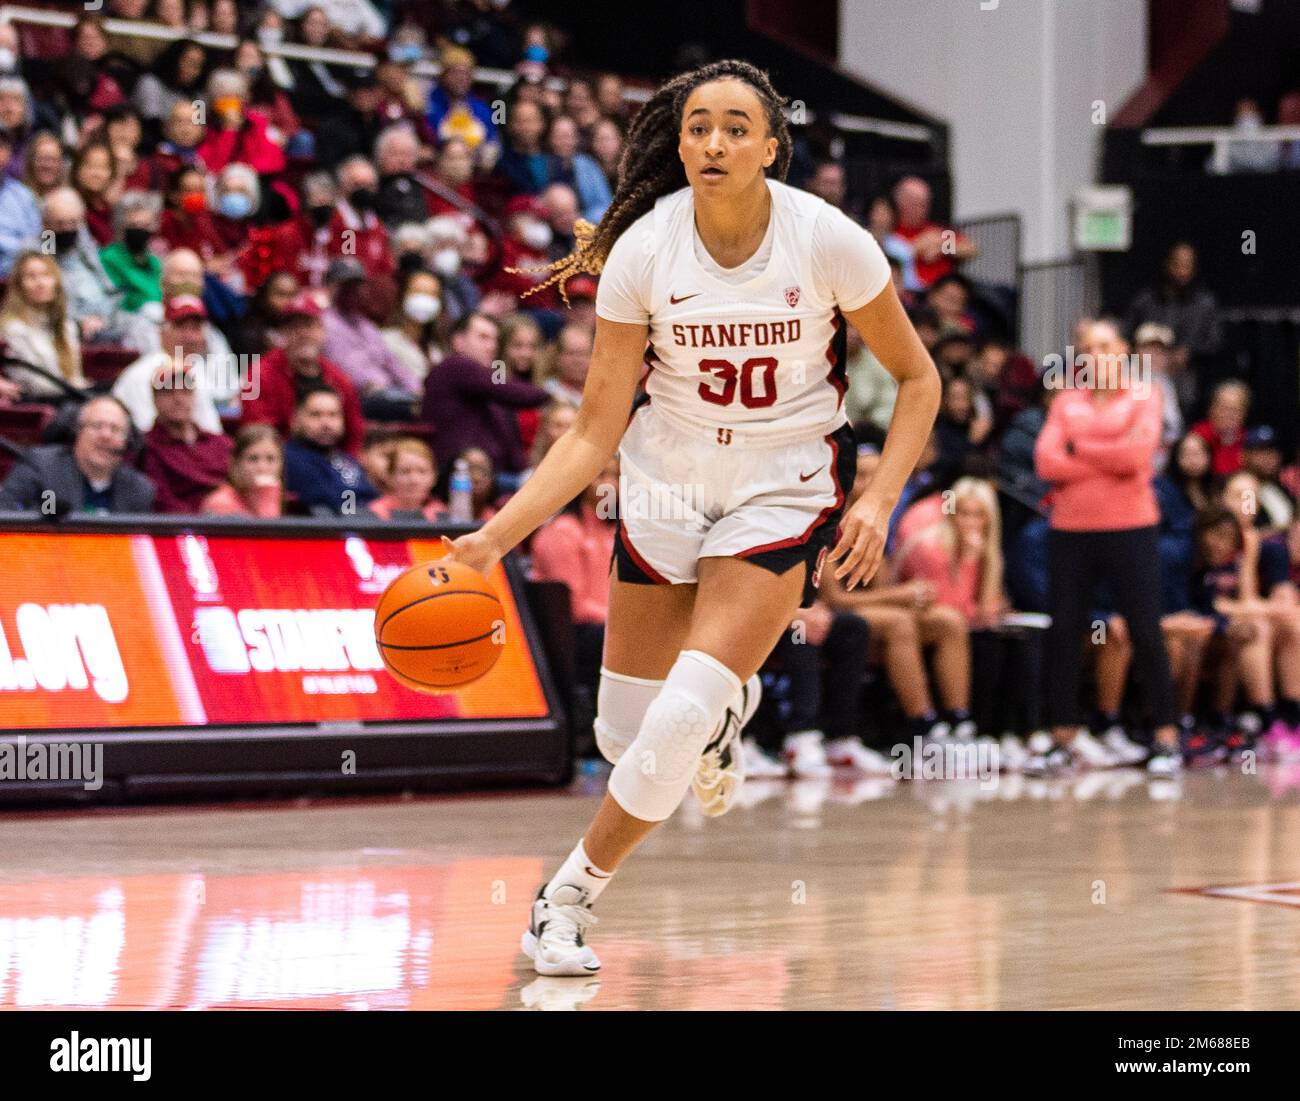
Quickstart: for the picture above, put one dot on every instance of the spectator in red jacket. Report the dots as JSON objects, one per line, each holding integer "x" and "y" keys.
{"x": 286, "y": 372}
{"x": 1224, "y": 426}
{"x": 355, "y": 228}
{"x": 183, "y": 461}
{"x": 525, "y": 246}
{"x": 236, "y": 133}
{"x": 187, "y": 223}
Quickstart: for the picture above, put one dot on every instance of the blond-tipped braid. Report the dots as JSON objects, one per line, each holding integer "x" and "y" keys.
{"x": 650, "y": 167}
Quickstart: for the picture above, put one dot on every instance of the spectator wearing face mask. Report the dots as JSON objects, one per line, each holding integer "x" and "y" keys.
{"x": 93, "y": 301}
{"x": 525, "y": 246}
{"x": 352, "y": 341}
{"x": 187, "y": 223}
{"x": 323, "y": 476}
{"x": 413, "y": 334}
{"x": 355, "y": 227}
{"x": 236, "y": 133}
{"x": 134, "y": 269}
{"x": 460, "y": 294}
{"x": 401, "y": 196}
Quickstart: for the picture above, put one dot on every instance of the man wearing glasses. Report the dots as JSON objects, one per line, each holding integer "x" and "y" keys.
{"x": 89, "y": 476}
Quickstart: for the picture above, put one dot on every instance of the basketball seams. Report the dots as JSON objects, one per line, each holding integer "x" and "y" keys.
{"x": 379, "y": 631}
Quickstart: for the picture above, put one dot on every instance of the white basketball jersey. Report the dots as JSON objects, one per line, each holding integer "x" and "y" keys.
{"x": 754, "y": 363}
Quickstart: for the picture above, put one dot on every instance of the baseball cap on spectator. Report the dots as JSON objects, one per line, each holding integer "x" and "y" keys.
{"x": 181, "y": 307}
{"x": 582, "y": 286}
{"x": 1152, "y": 332}
{"x": 345, "y": 269}
{"x": 1260, "y": 438}
{"x": 303, "y": 305}
{"x": 456, "y": 55}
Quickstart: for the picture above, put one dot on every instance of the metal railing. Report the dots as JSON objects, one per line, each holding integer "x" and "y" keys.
{"x": 1222, "y": 138}
{"x": 1053, "y": 296}
{"x": 998, "y": 238}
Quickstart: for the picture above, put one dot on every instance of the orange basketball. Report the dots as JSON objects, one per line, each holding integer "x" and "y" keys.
{"x": 439, "y": 625}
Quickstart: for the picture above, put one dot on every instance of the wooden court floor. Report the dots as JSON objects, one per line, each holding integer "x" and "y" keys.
{"x": 1101, "y": 892}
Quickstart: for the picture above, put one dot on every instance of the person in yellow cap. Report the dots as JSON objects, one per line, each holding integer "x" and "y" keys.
{"x": 456, "y": 113}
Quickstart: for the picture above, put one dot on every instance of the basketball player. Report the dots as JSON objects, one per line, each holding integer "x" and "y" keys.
{"x": 734, "y": 288}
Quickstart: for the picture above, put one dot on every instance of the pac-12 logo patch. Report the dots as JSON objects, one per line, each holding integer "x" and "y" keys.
{"x": 817, "y": 569}
{"x": 792, "y": 296}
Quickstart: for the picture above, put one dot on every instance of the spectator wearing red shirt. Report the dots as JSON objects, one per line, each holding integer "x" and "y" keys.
{"x": 355, "y": 228}
{"x": 525, "y": 246}
{"x": 236, "y": 133}
{"x": 298, "y": 366}
{"x": 1224, "y": 426}
{"x": 936, "y": 253}
{"x": 183, "y": 461}
{"x": 186, "y": 221}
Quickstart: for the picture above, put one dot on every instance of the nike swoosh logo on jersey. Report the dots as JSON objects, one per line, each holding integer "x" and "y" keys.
{"x": 805, "y": 477}
{"x": 684, "y": 297}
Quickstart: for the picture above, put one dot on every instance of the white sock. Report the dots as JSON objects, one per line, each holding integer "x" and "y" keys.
{"x": 578, "y": 871}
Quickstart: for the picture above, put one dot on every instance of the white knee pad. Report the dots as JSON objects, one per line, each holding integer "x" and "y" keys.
{"x": 654, "y": 773}
{"x": 621, "y": 704}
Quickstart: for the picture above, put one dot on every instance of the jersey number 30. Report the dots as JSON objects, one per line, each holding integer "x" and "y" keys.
{"x": 725, "y": 372}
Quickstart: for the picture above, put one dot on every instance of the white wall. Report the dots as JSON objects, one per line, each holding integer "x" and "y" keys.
{"x": 1016, "y": 84}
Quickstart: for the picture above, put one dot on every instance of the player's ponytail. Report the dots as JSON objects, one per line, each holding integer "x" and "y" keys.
{"x": 650, "y": 168}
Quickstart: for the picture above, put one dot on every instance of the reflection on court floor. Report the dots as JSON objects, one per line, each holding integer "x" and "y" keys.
{"x": 1106, "y": 890}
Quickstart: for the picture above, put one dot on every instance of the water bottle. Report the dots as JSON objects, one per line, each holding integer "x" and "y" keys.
{"x": 461, "y": 501}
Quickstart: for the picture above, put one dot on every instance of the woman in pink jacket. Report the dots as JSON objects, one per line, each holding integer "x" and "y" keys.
{"x": 1096, "y": 450}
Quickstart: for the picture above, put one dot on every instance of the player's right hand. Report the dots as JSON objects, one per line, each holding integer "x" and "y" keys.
{"x": 475, "y": 550}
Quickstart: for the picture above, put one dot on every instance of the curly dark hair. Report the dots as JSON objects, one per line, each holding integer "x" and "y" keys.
{"x": 650, "y": 168}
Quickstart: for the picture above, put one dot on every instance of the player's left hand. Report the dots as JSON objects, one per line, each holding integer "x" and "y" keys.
{"x": 862, "y": 541}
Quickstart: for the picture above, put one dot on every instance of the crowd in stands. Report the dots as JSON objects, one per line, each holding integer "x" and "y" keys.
{"x": 254, "y": 285}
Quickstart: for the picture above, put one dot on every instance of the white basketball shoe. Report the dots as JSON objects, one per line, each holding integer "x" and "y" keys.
{"x": 721, "y": 770}
{"x": 554, "y": 938}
